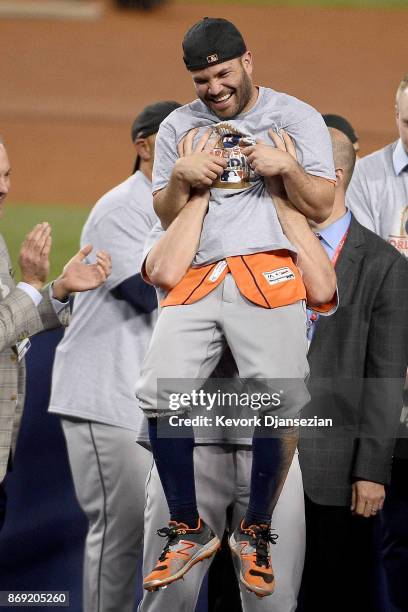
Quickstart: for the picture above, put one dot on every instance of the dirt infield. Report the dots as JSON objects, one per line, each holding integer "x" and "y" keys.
{"x": 69, "y": 89}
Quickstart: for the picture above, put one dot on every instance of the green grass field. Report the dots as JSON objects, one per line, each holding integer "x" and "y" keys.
{"x": 66, "y": 223}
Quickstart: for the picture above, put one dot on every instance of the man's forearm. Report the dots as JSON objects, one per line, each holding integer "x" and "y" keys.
{"x": 317, "y": 271}
{"x": 171, "y": 257}
{"x": 169, "y": 201}
{"x": 311, "y": 195}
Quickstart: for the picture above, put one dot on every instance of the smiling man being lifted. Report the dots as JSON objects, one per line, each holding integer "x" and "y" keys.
{"x": 243, "y": 287}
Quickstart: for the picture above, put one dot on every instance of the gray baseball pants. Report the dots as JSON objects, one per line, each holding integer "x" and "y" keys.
{"x": 109, "y": 470}
{"x": 222, "y": 475}
{"x": 188, "y": 341}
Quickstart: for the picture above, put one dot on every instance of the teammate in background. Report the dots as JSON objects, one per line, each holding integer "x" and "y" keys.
{"x": 218, "y": 452}
{"x": 29, "y": 308}
{"x": 340, "y": 123}
{"x": 378, "y": 196}
{"x": 243, "y": 288}
{"x": 378, "y": 192}
{"x": 94, "y": 374}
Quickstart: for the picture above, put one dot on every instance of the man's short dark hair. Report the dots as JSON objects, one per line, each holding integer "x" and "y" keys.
{"x": 340, "y": 123}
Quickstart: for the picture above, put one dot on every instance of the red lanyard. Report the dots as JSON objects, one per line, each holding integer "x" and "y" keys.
{"x": 339, "y": 248}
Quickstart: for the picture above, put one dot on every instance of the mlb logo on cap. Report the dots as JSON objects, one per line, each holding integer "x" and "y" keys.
{"x": 211, "y": 41}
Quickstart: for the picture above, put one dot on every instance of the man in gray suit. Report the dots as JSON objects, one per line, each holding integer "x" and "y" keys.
{"x": 378, "y": 196}
{"x": 29, "y": 308}
{"x": 357, "y": 368}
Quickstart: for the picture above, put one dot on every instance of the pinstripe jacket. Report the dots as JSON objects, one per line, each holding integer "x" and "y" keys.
{"x": 19, "y": 319}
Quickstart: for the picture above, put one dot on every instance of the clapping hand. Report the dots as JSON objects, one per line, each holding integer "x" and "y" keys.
{"x": 77, "y": 275}
{"x": 34, "y": 256}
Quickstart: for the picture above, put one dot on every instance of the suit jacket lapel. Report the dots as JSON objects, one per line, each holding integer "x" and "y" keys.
{"x": 349, "y": 262}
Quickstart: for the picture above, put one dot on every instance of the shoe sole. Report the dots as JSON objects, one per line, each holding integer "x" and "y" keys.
{"x": 205, "y": 553}
{"x": 259, "y": 592}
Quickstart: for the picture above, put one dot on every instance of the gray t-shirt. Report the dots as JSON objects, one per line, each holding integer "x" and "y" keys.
{"x": 378, "y": 197}
{"x": 241, "y": 218}
{"x": 98, "y": 361}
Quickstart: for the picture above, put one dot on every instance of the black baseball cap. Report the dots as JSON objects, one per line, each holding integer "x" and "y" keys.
{"x": 211, "y": 41}
{"x": 340, "y": 123}
{"x": 149, "y": 120}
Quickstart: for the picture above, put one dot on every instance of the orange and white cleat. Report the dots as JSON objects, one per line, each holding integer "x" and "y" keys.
{"x": 251, "y": 547}
{"x": 185, "y": 547}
